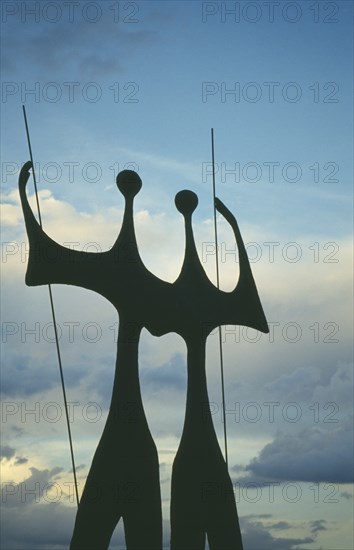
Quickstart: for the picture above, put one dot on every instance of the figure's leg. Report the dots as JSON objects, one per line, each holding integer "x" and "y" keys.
{"x": 124, "y": 476}
{"x": 185, "y": 534}
{"x": 185, "y": 541}
{"x": 203, "y": 502}
{"x": 101, "y": 505}
{"x": 118, "y": 486}
{"x": 187, "y": 525}
{"x": 143, "y": 519}
{"x": 223, "y": 529}
{"x": 225, "y": 535}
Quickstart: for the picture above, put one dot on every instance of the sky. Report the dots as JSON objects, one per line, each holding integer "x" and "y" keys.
{"x": 114, "y": 85}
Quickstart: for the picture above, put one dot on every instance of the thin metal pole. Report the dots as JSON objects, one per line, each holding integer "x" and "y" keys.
{"x": 218, "y": 285}
{"x": 53, "y": 317}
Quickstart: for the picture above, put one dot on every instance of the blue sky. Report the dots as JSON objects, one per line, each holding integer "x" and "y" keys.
{"x": 140, "y": 84}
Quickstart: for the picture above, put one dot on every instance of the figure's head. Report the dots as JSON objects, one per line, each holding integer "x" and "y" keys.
{"x": 186, "y": 202}
{"x": 128, "y": 183}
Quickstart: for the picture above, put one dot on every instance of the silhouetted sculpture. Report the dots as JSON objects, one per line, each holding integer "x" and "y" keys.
{"x": 124, "y": 477}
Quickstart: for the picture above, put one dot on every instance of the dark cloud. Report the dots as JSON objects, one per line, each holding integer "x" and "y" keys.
{"x": 40, "y": 527}
{"x": 92, "y": 50}
{"x": 20, "y": 460}
{"x": 6, "y": 452}
{"x": 318, "y": 525}
{"x": 171, "y": 375}
{"x": 312, "y": 455}
{"x": 22, "y": 376}
{"x": 256, "y": 536}
{"x": 281, "y": 525}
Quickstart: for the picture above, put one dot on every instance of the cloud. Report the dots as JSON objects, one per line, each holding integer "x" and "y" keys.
{"x": 30, "y": 520}
{"x": 21, "y": 460}
{"x": 301, "y": 383}
{"x": 33, "y": 489}
{"x": 40, "y": 527}
{"x": 171, "y": 375}
{"x": 318, "y": 525}
{"x": 92, "y": 50}
{"x": 281, "y": 525}
{"x": 34, "y": 515}
{"x": 6, "y": 452}
{"x": 256, "y": 536}
{"x": 20, "y": 379}
{"x": 24, "y": 376}
{"x": 35, "y": 512}
{"x": 322, "y": 382}
{"x": 313, "y": 455}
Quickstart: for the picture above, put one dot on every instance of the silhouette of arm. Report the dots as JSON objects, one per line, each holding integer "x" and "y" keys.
{"x": 49, "y": 262}
{"x": 242, "y": 306}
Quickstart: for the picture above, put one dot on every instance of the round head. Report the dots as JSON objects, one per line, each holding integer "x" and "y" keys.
{"x": 186, "y": 202}
{"x": 128, "y": 183}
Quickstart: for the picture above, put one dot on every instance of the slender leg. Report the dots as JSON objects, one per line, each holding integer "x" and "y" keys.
{"x": 187, "y": 526}
{"x": 101, "y": 505}
{"x": 202, "y": 499}
{"x": 124, "y": 477}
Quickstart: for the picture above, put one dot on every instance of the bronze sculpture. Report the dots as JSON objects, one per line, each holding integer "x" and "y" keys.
{"x": 123, "y": 481}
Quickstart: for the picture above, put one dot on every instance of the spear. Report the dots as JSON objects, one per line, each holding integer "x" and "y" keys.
{"x": 218, "y": 286}
{"x": 54, "y": 318}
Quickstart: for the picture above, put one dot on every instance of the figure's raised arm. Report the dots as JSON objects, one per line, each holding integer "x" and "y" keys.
{"x": 50, "y": 262}
{"x": 243, "y": 305}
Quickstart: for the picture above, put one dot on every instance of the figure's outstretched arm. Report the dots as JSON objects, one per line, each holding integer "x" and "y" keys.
{"x": 244, "y": 265}
{"x": 245, "y": 306}
{"x": 50, "y": 262}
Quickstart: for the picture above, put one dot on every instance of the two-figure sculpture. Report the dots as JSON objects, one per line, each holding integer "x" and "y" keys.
{"x": 123, "y": 481}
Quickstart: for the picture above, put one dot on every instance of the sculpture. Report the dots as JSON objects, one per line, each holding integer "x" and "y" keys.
{"x": 123, "y": 481}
